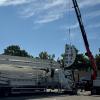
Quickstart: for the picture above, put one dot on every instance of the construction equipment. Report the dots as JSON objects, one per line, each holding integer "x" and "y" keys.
{"x": 95, "y": 89}
{"x": 89, "y": 54}
{"x": 27, "y": 75}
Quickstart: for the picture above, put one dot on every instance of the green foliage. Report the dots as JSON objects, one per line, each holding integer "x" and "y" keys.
{"x": 75, "y": 49}
{"x": 14, "y": 50}
{"x": 51, "y": 57}
{"x": 81, "y": 63}
{"x": 97, "y": 58}
{"x": 45, "y": 55}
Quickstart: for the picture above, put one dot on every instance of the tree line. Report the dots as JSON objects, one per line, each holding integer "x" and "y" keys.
{"x": 81, "y": 62}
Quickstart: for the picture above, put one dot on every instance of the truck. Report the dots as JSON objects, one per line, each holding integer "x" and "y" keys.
{"x": 96, "y": 86}
{"x": 94, "y": 78}
{"x": 27, "y": 75}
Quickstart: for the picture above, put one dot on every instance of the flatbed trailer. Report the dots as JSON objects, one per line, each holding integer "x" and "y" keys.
{"x": 17, "y": 76}
{"x": 16, "y": 81}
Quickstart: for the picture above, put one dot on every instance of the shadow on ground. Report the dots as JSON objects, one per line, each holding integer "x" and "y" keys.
{"x": 32, "y": 96}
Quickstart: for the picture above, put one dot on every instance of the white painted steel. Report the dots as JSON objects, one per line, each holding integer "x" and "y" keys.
{"x": 70, "y": 55}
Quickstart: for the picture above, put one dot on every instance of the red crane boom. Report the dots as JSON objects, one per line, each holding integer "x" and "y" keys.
{"x": 91, "y": 58}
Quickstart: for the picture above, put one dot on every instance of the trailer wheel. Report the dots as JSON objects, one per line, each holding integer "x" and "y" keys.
{"x": 6, "y": 92}
{"x": 93, "y": 91}
{"x": 75, "y": 92}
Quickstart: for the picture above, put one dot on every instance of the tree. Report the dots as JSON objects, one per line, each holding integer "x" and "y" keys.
{"x": 97, "y": 58}
{"x": 81, "y": 63}
{"x": 45, "y": 55}
{"x": 51, "y": 57}
{"x": 14, "y": 50}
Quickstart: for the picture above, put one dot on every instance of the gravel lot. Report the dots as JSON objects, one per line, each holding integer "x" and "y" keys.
{"x": 51, "y": 96}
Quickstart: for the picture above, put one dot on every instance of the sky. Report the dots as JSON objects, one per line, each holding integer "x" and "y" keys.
{"x": 43, "y": 25}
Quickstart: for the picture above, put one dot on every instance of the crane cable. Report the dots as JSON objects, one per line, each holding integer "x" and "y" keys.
{"x": 69, "y": 29}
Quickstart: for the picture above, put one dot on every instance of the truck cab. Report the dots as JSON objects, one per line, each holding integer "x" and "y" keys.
{"x": 96, "y": 86}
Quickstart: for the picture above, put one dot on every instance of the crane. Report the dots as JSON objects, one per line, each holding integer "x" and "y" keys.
{"x": 89, "y": 54}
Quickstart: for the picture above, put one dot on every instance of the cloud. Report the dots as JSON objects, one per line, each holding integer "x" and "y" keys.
{"x": 71, "y": 27}
{"x": 74, "y": 26}
{"x": 94, "y": 37}
{"x": 13, "y": 2}
{"x": 88, "y": 3}
{"x": 50, "y": 15}
{"x": 51, "y": 10}
{"x": 97, "y": 25}
{"x": 48, "y": 18}
{"x": 93, "y": 14}
{"x": 46, "y": 11}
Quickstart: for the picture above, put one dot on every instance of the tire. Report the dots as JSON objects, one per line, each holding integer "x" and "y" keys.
{"x": 75, "y": 92}
{"x": 93, "y": 91}
{"x": 6, "y": 92}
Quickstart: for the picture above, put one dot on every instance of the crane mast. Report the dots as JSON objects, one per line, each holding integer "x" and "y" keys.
{"x": 89, "y": 54}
